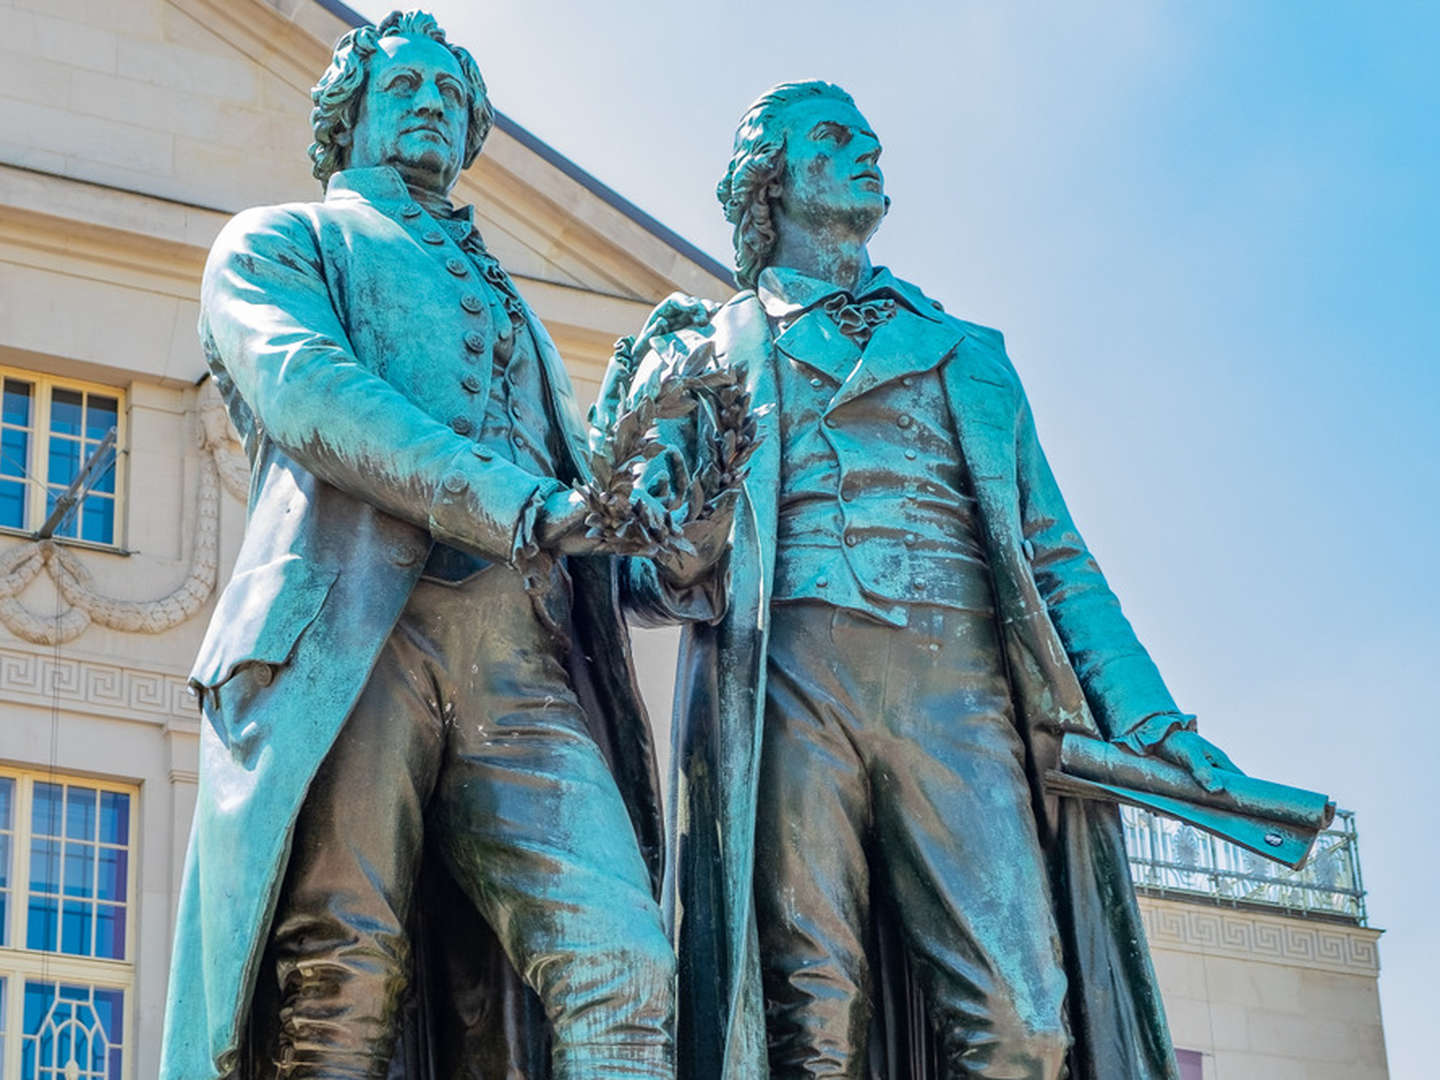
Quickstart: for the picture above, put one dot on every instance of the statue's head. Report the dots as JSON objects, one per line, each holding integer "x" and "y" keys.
{"x": 804, "y": 153}
{"x": 399, "y": 94}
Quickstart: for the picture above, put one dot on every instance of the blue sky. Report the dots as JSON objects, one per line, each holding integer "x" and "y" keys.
{"x": 1210, "y": 236}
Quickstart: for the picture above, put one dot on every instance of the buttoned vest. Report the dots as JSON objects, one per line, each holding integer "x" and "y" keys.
{"x": 875, "y": 512}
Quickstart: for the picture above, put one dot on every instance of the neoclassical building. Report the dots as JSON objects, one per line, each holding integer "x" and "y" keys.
{"x": 129, "y": 131}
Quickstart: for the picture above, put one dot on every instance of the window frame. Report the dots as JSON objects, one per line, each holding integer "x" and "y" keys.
{"x": 18, "y": 963}
{"x": 37, "y": 469}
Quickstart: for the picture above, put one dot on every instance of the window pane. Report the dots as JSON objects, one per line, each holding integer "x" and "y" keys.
{"x": 45, "y": 865}
{"x": 100, "y": 415}
{"x": 114, "y": 817}
{"x": 46, "y": 818}
{"x": 66, "y": 407}
{"x": 7, "y": 801}
{"x": 14, "y": 452}
{"x": 110, "y": 932}
{"x": 64, "y": 462}
{"x": 80, "y": 870}
{"x": 16, "y": 409}
{"x": 80, "y": 813}
{"x": 4, "y": 867}
{"x": 73, "y": 1030}
{"x": 97, "y": 519}
{"x": 114, "y": 870}
{"x": 103, "y": 478}
{"x": 12, "y": 505}
{"x": 76, "y": 928}
{"x": 42, "y": 924}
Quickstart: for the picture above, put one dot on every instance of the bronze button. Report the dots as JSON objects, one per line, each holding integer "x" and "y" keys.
{"x": 484, "y": 453}
{"x": 829, "y": 421}
{"x": 471, "y": 382}
{"x": 472, "y": 303}
{"x": 911, "y": 538}
{"x": 404, "y": 554}
{"x": 475, "y": 341}
{"x": 519, "y": 440}
{"x": 456, "y": 267}
{"x": 817, "y": 382}
{"x": 455, "y": 482}
{"x": 904, "y": 420}
{"x": 264, "y": 673}
{"x": 433, "y": 236}
{"x": 907, "y": 381}
{"x": 410, "y": 210}
{"x": 910, "y": 454}
{"x": 822, "y": 583}
{"x": 851, "y": 539}
{"x": 461, "y": 425}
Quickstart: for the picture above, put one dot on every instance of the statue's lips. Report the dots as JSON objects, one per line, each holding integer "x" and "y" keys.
{"x": 426, "y": 129}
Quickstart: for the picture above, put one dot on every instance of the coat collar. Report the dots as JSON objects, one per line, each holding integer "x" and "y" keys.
{"x": 786, "y": 293}
{"x": 383, "y": 187}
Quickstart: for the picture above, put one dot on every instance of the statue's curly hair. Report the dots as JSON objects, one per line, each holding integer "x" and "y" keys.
{"x": 751, "y": 185}
{"x": 337, "y": 94}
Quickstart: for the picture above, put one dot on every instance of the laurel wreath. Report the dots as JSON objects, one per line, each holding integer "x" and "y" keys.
{"x": 725, "y": 438}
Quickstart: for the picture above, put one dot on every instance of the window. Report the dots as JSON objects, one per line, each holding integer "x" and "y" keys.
{"x": 66, "y": 929}
{"x": 48, "y": 430}
{"x": 1191, "y": 1064}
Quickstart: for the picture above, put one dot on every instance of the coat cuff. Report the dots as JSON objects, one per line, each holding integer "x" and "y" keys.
{"x": 1153, "y": 730}
{"x": 488, "y": 507}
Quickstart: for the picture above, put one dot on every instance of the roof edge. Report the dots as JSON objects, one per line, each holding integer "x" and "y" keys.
{"x": 606, "y": 194}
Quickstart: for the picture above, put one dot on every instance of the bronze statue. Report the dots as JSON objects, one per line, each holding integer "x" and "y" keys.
{"x": 410, "y": 762}
{"x": 871, "y": 878}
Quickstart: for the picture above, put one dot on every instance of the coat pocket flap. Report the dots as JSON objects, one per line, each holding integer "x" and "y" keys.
{"x": 260, "y": 616}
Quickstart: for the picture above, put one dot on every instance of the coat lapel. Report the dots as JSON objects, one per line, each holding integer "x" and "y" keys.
{"x": 816, "y": 342}
{"x": 904, "y": 345}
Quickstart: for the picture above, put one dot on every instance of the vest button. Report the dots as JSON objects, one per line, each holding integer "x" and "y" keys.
{"x": 410, "y": 210}
{"x": 461, "y": 425}
{"x": 910, "y": 455}
{"x": 433, "y": 236}
{"x": 472, "y": 303}
{"x": 519, "y": 440}
{"x": 471, "y": 383}
{"x": 817, "y": 382}
{"x": 264, "y": 673}
{"x": 847, "y": 493}
{"x": 822, "y": 583}
{"x": 456, "y": 267}
{"x": 455, "y": 482}
{"x": 851, "y": 539}
{"x": 908, "y": 380}
{"x": 475, "y": 342}
{"x": 904, "y": 420}
{"x": 911, "y": 538}
{"x": 829, "y": 421}
{"x": 482, "y": 452}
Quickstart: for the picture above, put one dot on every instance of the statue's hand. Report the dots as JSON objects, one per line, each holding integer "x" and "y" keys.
{"x": 707, "y": 538}
{"x": 1205, "y": 761}
{"x": 676, "y": 312}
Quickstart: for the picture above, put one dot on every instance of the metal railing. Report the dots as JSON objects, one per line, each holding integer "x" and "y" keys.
{"x": 1168, "y": 857}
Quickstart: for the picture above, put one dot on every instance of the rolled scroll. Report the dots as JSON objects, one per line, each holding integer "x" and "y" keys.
{"x": 1274, "y": 820}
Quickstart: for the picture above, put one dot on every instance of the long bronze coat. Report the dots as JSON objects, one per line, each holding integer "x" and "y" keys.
{"x": 333, "y": 329}
{"x": 1075, "y": 666}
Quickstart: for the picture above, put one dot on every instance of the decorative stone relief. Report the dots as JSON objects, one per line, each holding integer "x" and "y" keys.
{"x": 1253, "y": 936}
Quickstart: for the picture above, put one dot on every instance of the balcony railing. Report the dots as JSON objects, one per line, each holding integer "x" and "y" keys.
{"x": 1167, "y": 857}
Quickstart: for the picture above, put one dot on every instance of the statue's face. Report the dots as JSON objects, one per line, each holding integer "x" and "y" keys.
{"x": 831, "y": 172}
{"x": 414, "y": 113}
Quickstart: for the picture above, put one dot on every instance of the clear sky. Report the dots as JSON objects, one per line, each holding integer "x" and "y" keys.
{"x": 1209, "y": 232}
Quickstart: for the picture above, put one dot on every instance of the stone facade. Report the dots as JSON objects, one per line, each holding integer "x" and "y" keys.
{"x": 129, "y": 131}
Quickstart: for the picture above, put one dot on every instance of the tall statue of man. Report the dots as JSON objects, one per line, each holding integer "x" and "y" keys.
{"x": 418, "y": 671}
{"x": 870, "y": 878}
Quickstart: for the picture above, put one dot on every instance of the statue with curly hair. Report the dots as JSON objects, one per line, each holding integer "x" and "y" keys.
{"x": 871, "y": 876}
{"x": 427, "y": 838}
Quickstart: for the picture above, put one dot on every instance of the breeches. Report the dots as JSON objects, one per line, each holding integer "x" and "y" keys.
{"x": 469, "y": 740}
{"x": 892, "y": 768}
